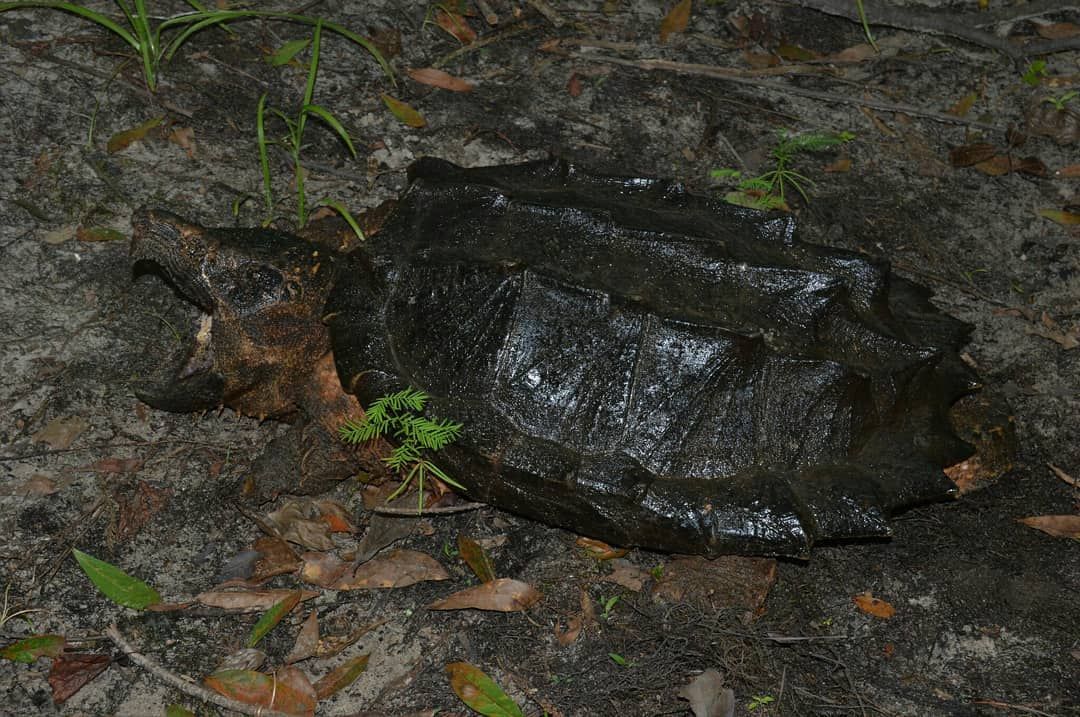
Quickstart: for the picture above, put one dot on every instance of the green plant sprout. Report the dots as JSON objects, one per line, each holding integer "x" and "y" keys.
{"x": 398, "y": 415}
{"x": 153, "y": 51}
{"x": 608, "y": 605}
{"x": 620, "y": 660}
{"x": 1062, "y": 100}
{"x": 759, "y": 701}
{"x": 293, "y": 141}
{"x": 1034, "y": 73}
{"x": 769, "y": 190}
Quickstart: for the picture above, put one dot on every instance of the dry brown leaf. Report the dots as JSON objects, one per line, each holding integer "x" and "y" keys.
{"x": 573, "y": 85}
{"x": 275, "y": 692}
{"x": 307, "y": 640}
{"x": 135, "y": 511}
{"x": 246, "y": 658}
{"x": 573, "y": 629}
{"x": 996, "y": 166}
{"x": 341, "y": 676}
{"x": 36, "y": 485}
{"x": 1058, "y": 526}
{"x": 629, "y": 576}
{"x": 275, "y": 558}
{"x": 396, "y": 569}
{"x": 874, "y": 606}
{"x": 1074, "y": 482}
{"x": 475, "y": 557}
{"x": 115, "y": 465}
{"x": 456, "y": 25}
{"x": 121, "y": 140}
{"x": 708, "y": 697}
{"x": 600, "y": 550}
{"x": 184, "y": 137}
{"x": 323, "y": 569}
{"x": 502, "y": 595}
{"x": 60, "y": 433}
{"x": 1058, "y": 30}
{"x": 383, "y": 530}
{"x": 964, "y": 105}
{"x": 248, "y": 600}
{"x": 331, "y": 645}
{"x": 336, "y": 516}
{"x": 1070, "y": 172}
{"x": 856, "y": 53}
{"x": 299, "y": 521}
{"x": 676, "y": 20}
{"x": 970, "y": 154}
{"x": 70, "y": 671}
{"x": 840, "y": 166}
{"x": 443, "y": 80}
{"x": 405, "y": 112}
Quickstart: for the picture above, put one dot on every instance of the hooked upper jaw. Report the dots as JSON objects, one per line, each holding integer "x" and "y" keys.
{"x": 178, "y": 248}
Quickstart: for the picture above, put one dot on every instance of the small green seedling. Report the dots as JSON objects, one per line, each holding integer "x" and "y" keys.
{"x": 153, "y": 50}
{"x": 293, "y": 141}
{"x": 398, "y": 415}
{"x": 1060, "y": 101}
{"x": 1034, "y": 73}
{"x": 657, "y": 572}
{"x": 608, "y": 605}
{"x": 620, "y": 660}
{"x": 759, "y": 701}
{"x": 769, "y": 190}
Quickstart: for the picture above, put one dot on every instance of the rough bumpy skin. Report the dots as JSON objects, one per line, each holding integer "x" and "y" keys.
{"x": 647, "y": 366}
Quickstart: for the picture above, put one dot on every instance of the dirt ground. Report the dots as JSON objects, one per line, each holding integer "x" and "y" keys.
{"x": 987, "y": 610}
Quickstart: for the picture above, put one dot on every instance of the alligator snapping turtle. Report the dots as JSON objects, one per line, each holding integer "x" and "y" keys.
{"x": 631, "y": 361}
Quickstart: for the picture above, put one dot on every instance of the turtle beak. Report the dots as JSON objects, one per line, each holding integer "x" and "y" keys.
{"x": 177, "y": 248}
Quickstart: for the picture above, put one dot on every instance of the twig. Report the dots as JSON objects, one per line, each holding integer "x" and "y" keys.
{"x": 739, "y": 77}
{"x": 963, "y": 27}
{"x": 438, "y": 510}
{"x": 189, "y": 688}
{"x": 489, "y": 15}
{"x": 1010, "y": 706}
{"x": 99, "y": 446}
{"x": 482, "y": 42}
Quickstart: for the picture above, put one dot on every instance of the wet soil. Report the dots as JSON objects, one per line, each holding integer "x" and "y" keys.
{"x": 987, "y": 610}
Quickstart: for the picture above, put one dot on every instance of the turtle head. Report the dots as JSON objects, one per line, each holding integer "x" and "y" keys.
{"x": 260, "y": 295}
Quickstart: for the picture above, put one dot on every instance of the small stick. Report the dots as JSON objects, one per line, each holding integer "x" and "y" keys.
{"x": 188, "y": 688}
{"x": 731, "y": 75}
{"x": 489, "y": 15}
{"x": 438, "y": 510}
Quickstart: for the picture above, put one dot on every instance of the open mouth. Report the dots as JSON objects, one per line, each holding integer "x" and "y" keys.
{"x": 183, "y": 376}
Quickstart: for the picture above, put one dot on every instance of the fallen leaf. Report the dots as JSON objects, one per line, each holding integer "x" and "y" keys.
{"x": 35, "y": 485}
{"x": 121, "y": 140}
{"x": 1057, "y": 526}
{"x": 676, "y": 20}
{"x": 330, "y": 645}
{"x": 475, "y": 557}
{"x": 970, "y": 154}
{"x": 297, "y": 521}
{"x": 443, "y": 80}
{"x": 307, "y": 640}
{"x": 600, "y": 550}
{"x": 840, "y": 166}
{"x": 629, "y": 576}
{"x": 856, "y": 53}
{"x": 708, "y": 697}
{"x": 341, "y": 676}
{"x": 996, "y": 166}
{"x": 404, "y": 112}
{"x": 383, "y": 531}
{"x": 336, "y": 516}
{"x": 964, "y": 105}
{"x": 115, "y": 465}
{"x": 247, "y": 600}
{"x": 184, "y": 138}
{"x": 60, "y": 234}
{"x": 117, "y": 585}
{"x": 136, "y": 510}
{"x": 761, "y": 60}
{"x": 273, "y": 616}
{"x": 1072, "y": 171}
{"x": 60, "y": 433}
{"x": 396, "y": 569}
{"x": 99, "y": 234}
{"x": 874, "y": 606}
{"x": 456, "y": 25}
{"x": 275, "y": 558}
{"x": 501, "y": 595}
{"x": 70, "y": 671}
{"x": 573, "y": 85}
{"x": 1074, "y": 482}
{"x": 573, "y": 629}
{"x": 1060, "y": 216}
{"x": 257, "y": 688}
{"x": 246, "y": 658}
{"x": 480, "y": 692}
{"x": 31, "y": 648}
{"x": 323, "y": 569}
{"x": 1058, "y": 30}
{"x": 795, "y": 53}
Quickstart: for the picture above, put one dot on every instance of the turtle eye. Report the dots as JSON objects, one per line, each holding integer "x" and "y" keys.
{"x": 256, "y": 288}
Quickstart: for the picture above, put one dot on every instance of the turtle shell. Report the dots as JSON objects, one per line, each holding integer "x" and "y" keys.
{"x": 652, "y": 367}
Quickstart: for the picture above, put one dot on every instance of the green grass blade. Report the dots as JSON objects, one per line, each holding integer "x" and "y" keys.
{"x": 86, "y": 13}
{"x": 264, "y": 155}
{"x": 344, "y": 214}
{"x": 329, "y": 119}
